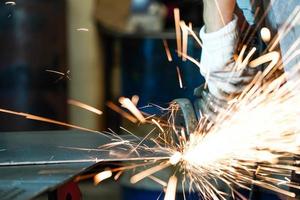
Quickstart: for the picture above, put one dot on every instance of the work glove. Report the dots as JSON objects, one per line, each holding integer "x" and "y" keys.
{"x": 225, "y": 79}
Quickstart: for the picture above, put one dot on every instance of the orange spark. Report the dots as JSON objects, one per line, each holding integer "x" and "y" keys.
{"x": 246, "y": 60}
{"x": 179, "y": 77}
{"x": 190, "y": 30}
{"x": 55, "y": 72}
{"x": 177, "y": 29}
{"x": 190, "y": 25}
{"x": 171, "y": 189}
{"x": 117, "y": 176}
{"x": 167, "y": 49}
{"x": 124, "y": 114}
{"x": 193, "y": 60}
{"x": 102, "y": 176}
{"x": 135, "y": 99}
{"x": 265, "y": 34}
{"x": 84, "y": 106}
{"x": 272, "y": 57}
{"x": 47, "y": 120}
{"x": 185, "y": 36}
{"x": 157, "y": 124}
{"x": 127, "y": 103}
{"x": 159, "y": 181}
{"x": 136, "y": 178}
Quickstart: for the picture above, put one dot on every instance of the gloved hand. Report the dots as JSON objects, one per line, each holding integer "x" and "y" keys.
{"x": 225, "y": 79}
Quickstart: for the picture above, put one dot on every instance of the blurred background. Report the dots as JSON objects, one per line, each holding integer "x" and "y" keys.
{"x": 92, "y": 51}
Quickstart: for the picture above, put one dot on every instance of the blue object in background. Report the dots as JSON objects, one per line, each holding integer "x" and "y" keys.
{"x": 147, "y": 72}
{"x": 140, "y": 6}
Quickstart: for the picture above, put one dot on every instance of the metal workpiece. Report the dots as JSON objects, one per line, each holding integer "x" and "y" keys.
{"x": 28, "y": 182}
{"x": 35, "y": 162}
{"x": 187, "y": 113}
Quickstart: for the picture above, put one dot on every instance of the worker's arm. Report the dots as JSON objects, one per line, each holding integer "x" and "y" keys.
{"x": 220, "y": 36}
{"x": 217, "y": 13}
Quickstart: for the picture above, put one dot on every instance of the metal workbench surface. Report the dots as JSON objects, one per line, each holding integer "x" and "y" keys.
{"x": 34, "y": 162}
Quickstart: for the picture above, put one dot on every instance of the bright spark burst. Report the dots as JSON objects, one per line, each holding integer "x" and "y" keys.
{"x": 255, "y": 141}
{"x": 260, "y": 130}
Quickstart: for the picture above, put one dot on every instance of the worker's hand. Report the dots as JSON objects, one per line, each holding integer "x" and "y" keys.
{"x": 220, "y": 37}
{"x": 218, "y": 63}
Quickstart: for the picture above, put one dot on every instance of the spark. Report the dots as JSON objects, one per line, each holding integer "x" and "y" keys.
{"x": 55, "y": 72}
{"x": 30, "y": 163}
{"x": 135, "y": 99}
{"x": 136, "y": 178}
{"x": 275, "y": 134}
{"x": 124, "y": 114}
{"x": 83, "y": 29}
{"x": 185, "y": 35}
{"x": 102, "y": 176}
{"x": 220, "y": 12}
{"x": 265, "y": 34}
{"x": 239, "y": 59}
{"x": 246, "y": 60}
{"x": 193, "y": 60}
{"x": 177, "y": 29}
{"x": 127, "y": 103}
{"x": 190, "y": 30}
{"x": 190, "y": 25}
{"x": 272, "y": 57}
{"x": 67, "y": 74}
{"x": 12, "y": 3}
{"x": 47, "y": 120}
{"x": 159, "y": 181}
{"x": 171, "y": 189}
{"x": 167, "y": 49}
{"x": 84, "y": 106}
{"x": 117, "y": 176}
{"x": 158, "y": 125}
{"x": 258, "y": 24}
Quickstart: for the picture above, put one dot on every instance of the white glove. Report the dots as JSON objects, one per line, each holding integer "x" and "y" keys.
{"x": 217, "y": 60}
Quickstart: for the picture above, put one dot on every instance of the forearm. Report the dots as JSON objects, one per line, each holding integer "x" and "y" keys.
{"x": 218, "y": 13}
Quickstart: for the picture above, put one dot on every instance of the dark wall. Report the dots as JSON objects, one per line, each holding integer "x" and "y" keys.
{"x": 32, "y": 40}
